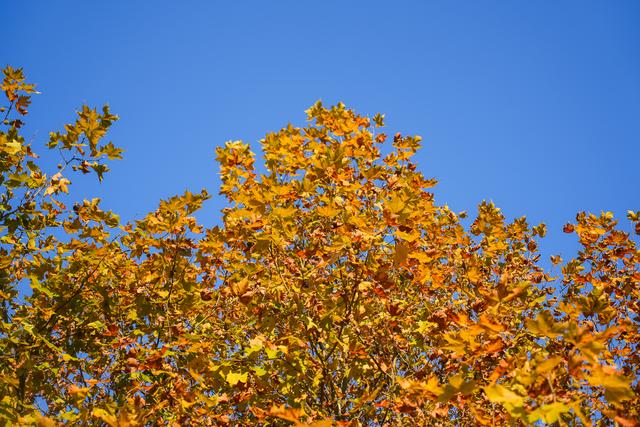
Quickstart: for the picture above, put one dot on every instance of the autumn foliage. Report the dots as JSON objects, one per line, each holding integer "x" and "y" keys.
{"x": 335, "y": 292}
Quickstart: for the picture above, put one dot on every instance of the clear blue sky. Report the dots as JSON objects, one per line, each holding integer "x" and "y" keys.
{"x": 532, "y": 104}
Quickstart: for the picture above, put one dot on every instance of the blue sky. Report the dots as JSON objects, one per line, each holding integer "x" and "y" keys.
{"x": 534, "y": 105}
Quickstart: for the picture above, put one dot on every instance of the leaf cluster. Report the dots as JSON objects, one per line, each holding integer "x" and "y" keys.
{"x": 336, "y": 291}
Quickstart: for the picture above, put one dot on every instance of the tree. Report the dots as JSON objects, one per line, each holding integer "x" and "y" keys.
{"x": 335, "y": 292}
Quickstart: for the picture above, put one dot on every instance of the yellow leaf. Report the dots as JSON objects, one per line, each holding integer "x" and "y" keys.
{"x": 549, "y": 413}
{"x": 396, "y": 204}
{"x": 548, "y": 364}
{"x": 421, "y": 256}
{"x": 474, "y": 275}
{"x": 271, "y": 352}
{"x": 409, "y": 237}
{"x": 616, "y": 386}
{"x": 78, "y": 392}
{"x": 234, "y": 378}
{"x": 498, "y": 393}
{"x": 365, "y": 285}
{"x": 196, "y": 376}
{"x": 284, "y": 212}
{"x": 327, "y": 211}
{"x": 10, "y": 147}
{"x": 240, "y": 287}
{"x": 111, "y": 420}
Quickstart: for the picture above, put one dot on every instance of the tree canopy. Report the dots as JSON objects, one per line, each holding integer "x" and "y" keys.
{"x": 336, "y": 291}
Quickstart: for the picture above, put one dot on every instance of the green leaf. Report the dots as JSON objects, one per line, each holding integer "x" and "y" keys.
{"x": 97, "y": 325}
{"x": 37, "y": 286}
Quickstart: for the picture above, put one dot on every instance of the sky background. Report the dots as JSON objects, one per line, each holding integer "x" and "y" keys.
{"x": 533, "y": 105}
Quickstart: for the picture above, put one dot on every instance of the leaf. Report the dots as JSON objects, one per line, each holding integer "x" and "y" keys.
{"x": 234, "y": 378}
{"x": 626, "y": 422}
{"x": 328, "y": 211}
{"x": 549, "y": 413}
{"x": 259, "y": 371}
{"x": 548, "y": 364}
{"x": 46, "y": 422}
{"x": 36, "y": 285}
{"x": 617, "y": 387}
{"x": 67, "y": 357}
{"x": 78, "y": 392}
{"x": 457, "y": 384}
{"x": 400, "y": 254}
{"x": 100, "y": 169}
{"x": 111, "y": 420}
{"x": 10, "y": 147}
{"x": 498, "y": 393}
{"x": 321, "y": 423}
{"x": 395, "y": 204}
{"x": 272, "y": 353}
{"x": 111, "y": 151}
{"x": 289, "y": 414}
{"x": 97, "y": 325}
{"x": 474, "y": 275}
{"x": 409, "y": 237}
